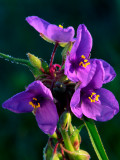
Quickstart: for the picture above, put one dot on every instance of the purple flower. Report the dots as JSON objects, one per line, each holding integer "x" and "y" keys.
{"x": 51, "y": 32}
{"x": 93, "y": 101}
{"x": 37, "y": 98}
{"x": 78, "y": 66}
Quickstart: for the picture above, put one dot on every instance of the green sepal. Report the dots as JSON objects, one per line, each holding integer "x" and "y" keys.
{"x": 55, "y": 136}
{"x": 95, "y": 139}
{"x": 62, "y": 44}
{"x": 65, "y": 120}
{"x": 35, "y": 61}
{"x": 75, "y": 136}
{"x": 45, "y": 66}
{"x": 48, "y": 151}
{"x": 81, "y": 155}
{"x": 56, "y": 156}
{"x": 71, "y": 152}
{"x": 66, "y": 49}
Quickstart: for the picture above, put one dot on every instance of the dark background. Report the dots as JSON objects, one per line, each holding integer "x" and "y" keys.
{"x": 20, "y": 137}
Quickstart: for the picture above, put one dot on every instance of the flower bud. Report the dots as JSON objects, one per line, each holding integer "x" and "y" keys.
{"x": 57, "y": 156}
{"x": 65, "y": 121}
{"x": 82, "y": 155}
{"x": 48, "y": 151}
{"x": 75, "y": 136}
{"x": 35, "y": 61}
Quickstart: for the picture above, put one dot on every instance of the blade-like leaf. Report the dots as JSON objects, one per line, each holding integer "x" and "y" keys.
{"x": 95, "y": 139}
{"x": 36, "y": 72}
{"x": 15, "y": 60}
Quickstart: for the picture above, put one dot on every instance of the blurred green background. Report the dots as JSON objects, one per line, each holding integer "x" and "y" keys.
{"x": 20, "y": 137}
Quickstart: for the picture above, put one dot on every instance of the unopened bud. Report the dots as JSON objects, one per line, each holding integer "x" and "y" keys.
{"x": 75, "y": 136}
{"x": 57, "y": 156}
{"x": 48, "y": 151}
{"x": 35, "y": 61}
{"x": 65, "y": 120}
{"x": 82, "y": 155}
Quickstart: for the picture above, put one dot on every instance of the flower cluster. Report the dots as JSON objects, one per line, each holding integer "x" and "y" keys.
{"x": 84, "y": 97}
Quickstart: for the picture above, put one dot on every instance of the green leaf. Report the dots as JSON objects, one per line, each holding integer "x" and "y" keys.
{"x": 95, "y": 139}
{"x": 36, "y": 72}
{"x": 15, "y": 60}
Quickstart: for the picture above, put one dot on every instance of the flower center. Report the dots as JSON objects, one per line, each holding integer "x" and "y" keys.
{"x": 61, "y": 26}
{"x": 84, "y": 62}
{"x": 94, "y": 97}
{"x": 34, "y": 103}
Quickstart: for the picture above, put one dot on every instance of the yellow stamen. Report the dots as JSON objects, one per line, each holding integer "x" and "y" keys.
{"x": 60, "y": 26}
{"x": 85, "y": 60}
{"x": 84, "y": 63}
{"x": 83, "y": 57}
{"x": 94, "y": 99}
{"x": 34, "y": 105}
{"x": 35, "y": 99}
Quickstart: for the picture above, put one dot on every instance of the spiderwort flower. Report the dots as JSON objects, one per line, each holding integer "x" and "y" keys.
{"x": 78, "y": 66}
{"x": 93, "y": 101}
{"x": 37, "y": 98}
{"x": 50, "y": 32}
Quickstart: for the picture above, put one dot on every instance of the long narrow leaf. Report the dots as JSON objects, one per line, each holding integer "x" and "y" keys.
{"x": 95, "y": 139}
{"x": 36, "y": 72}
{"x": 15, "y": 60}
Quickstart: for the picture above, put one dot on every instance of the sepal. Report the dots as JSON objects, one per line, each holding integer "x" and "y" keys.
{"x": 66, "y": 49}
{"x": 48, "y": 151}
{"x": 65, "y": 121}
{"x": 56, "y": 156}
{"x": 35, "y": 61}
{"x": 75, "y": 136}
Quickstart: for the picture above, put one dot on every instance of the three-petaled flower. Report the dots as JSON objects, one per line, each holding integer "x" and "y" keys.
{"x": 36, "y": 98}
{"x": 93, "y": 101}
{"x": 78, "y": 66}
{"x": 50, "y": 32}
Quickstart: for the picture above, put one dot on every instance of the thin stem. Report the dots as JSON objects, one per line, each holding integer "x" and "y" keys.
{"x": 53, "y": 54}
{"x": 55, "y": 149}
{"x": 15, "y": 60}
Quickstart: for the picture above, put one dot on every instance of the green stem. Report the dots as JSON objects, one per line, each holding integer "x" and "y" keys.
{"x": 67, "y": 143}
{"x": 15, "y": 60}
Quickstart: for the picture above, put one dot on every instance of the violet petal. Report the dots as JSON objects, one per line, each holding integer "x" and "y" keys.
{"x": 38, "y": 23}
{"x": 103, "y": 110}
{"x": 47, "y": 117}
{"x": 59, "y": 34}
{"x": 19, "y": 103}
{"x": 75, "y": 103}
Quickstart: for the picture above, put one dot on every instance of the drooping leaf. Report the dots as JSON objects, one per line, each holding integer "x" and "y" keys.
{"x": 95, "y": 139}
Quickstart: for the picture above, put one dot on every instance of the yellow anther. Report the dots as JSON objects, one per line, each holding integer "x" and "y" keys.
{"x": 97, "y": 97}
{"x": 83, "y": 57}
{"x": 81, "y": 64}
{"x": 35, "y": 106}
{"x": 84, "y": 63}
{"x": 93, "y": 97}
{"x": 35, "y": 99}
{"x": 60, "y": 26}
{"x": 92, "y": 94}
{"x": 85, "y": 60}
